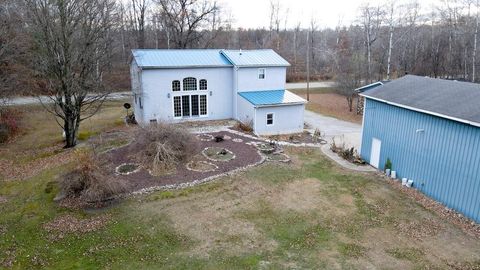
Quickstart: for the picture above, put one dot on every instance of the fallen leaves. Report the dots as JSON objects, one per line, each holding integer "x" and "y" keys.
{"x": 70, "y": 224}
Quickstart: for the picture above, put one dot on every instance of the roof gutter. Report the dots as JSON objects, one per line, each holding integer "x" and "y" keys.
{"x": 472, "y": 123}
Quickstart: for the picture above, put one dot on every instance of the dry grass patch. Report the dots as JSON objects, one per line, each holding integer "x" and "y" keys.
{"x": 211, "y": 219}
{"x": 307, "y": 195}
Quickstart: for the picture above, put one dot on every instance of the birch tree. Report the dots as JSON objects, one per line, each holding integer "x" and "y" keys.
{"x": 371, "y": 20}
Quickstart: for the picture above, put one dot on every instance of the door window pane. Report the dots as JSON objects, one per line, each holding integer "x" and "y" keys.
{"x": 203, "y": 105}
{"x": 186, "y": 106}
{"x": 195, "y": 105}
{"x": 177, "y": 107}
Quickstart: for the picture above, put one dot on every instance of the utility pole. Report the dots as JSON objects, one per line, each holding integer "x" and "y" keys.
{"x": 308, "y": 66}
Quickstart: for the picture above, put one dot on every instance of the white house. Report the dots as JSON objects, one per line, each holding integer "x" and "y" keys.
{"x": 188, "y": 85}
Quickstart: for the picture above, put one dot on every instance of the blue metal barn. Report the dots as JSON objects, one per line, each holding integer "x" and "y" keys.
{"x": 430, "y": 130}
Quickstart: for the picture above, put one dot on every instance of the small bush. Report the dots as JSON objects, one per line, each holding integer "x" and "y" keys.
{"x": 162, "y": 146}
{"x": 245, "y": 126}
{"x": 8, "y": 124}
{"x": 88, "y": 181}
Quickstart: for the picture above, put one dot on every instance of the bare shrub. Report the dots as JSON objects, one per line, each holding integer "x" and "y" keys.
{"x": 162, "y": 146}
{"x": 89, "y": 182}
{"x": 8, "y": 123}
{"x": 349, "y": 154}
{"x": 244, "y": 126}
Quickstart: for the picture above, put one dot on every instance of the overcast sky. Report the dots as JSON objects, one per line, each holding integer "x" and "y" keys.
{"x": 327, "y": 13}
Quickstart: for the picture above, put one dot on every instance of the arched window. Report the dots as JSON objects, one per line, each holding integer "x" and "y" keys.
{"x": 175, "y": 85}
{"x": 203, "y": 84}
{"x": 189, "y": 84}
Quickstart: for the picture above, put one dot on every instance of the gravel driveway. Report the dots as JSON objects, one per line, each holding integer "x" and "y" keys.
{"x": 343, "y": 131}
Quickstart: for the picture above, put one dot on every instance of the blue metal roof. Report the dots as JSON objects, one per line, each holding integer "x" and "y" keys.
{"x": 179, "y": 58}
{"x": 255, "y": 58}
{"x": 271, "y": 97}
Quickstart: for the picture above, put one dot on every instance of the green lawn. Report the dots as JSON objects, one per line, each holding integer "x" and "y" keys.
{"x": 307, "y": 214}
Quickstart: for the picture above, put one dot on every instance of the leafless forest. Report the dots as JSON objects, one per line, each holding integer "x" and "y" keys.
{"x": 385, "y": 41}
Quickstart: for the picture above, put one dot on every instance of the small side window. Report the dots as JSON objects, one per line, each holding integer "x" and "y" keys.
{"x": 140, "y": 102}
{"x": 175, "y": 85}
{"x": 203, "y": 84}
{"x": 269, "y": 119}
{"x": 261, "y": 73}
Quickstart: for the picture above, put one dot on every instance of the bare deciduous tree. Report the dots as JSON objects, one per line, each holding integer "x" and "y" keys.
{"x": 184, "y": 19}
{"x": 71, "y": 39}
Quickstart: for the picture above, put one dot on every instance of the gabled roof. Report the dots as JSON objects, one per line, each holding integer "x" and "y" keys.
{"x": 161, "y": 58}
{"x": 458, "y": 101}
{"x": 271, "y": 97}
{"x": 146, "y": 58}
{"x": 255, "y": 58}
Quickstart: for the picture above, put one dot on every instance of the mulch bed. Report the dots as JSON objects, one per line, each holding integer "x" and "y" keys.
{"x": 245, "y": 155}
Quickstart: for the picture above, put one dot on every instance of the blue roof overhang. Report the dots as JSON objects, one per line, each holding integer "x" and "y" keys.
{"x": 268, "y": 98}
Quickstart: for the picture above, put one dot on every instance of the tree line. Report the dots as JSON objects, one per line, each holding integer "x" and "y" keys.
{"x": 70, "y": 49}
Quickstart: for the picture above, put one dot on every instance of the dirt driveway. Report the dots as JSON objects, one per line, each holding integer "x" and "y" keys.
{"x": 343, "y": 131}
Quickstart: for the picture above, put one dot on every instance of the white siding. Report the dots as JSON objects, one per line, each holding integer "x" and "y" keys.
{"x": 157, "y": 84}
{"x": 246, "y": 111}
{"x": 135, "y": 75}
{"x": 248, "y": 79}
{"x": 287, "y": 119}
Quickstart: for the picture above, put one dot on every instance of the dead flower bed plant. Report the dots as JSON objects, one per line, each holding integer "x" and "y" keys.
{"x": 349, "y": 154}
{"x": 89, "y": 182}
{"x": 160, "y": 147}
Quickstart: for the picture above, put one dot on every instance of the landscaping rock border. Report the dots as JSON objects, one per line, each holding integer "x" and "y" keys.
{"x": 117, "y": 169}
{"x": 191, "y": 169}
{"x": 198, "y": 181}
{"x": 217, "y": 160}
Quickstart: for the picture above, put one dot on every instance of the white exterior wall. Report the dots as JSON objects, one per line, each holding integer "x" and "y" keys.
{"x": 135, "y": 74}
{"x": 286, "y": 119}
{"x": 246, "y": 111}
{"x": 275, "y": 78}
{"x": 157, "y": 84}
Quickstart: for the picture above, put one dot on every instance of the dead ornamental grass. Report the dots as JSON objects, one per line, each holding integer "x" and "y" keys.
{"x": 89, "y": 182}
{"x": 162, "y": 146}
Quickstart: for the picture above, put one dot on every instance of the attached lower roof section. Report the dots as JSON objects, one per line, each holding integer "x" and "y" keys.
{"x": 271, "y": 98}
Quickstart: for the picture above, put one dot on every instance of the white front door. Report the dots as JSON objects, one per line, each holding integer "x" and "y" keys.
{"x": 375, "y": 153}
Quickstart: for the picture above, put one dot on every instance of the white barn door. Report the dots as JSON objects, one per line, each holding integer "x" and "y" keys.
{"x": 375, "y": 153}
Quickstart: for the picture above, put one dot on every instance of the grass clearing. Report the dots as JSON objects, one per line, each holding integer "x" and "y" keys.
{"x": 305, "y": 214}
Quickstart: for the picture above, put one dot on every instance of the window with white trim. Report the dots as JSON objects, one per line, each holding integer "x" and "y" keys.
{"x": 261, "y": 73}
{"x": 175, "y": 85}
{"x": 189, "y": 84}
{"x": 203, "y": 84}
{"x": 269, "y": 119}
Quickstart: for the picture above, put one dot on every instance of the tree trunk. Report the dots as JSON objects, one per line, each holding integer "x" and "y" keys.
{"x": 71, "y": 130}
{"x": 474, "y": 50}
{"x": 390, "y": 45}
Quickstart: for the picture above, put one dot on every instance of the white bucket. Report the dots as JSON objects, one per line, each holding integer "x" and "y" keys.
{"x": 387, "y": 172}
{"x": 404, "y": 181}
{"x": 410, "y": 183}
{"x": 394, "y": 174}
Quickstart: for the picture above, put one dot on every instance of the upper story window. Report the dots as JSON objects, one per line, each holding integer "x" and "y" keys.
{"x": 189, "y": 84}
{"x": 203, "y": 84}
{"x": 175, "y": 85}
{"x": 261, "y": 73}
